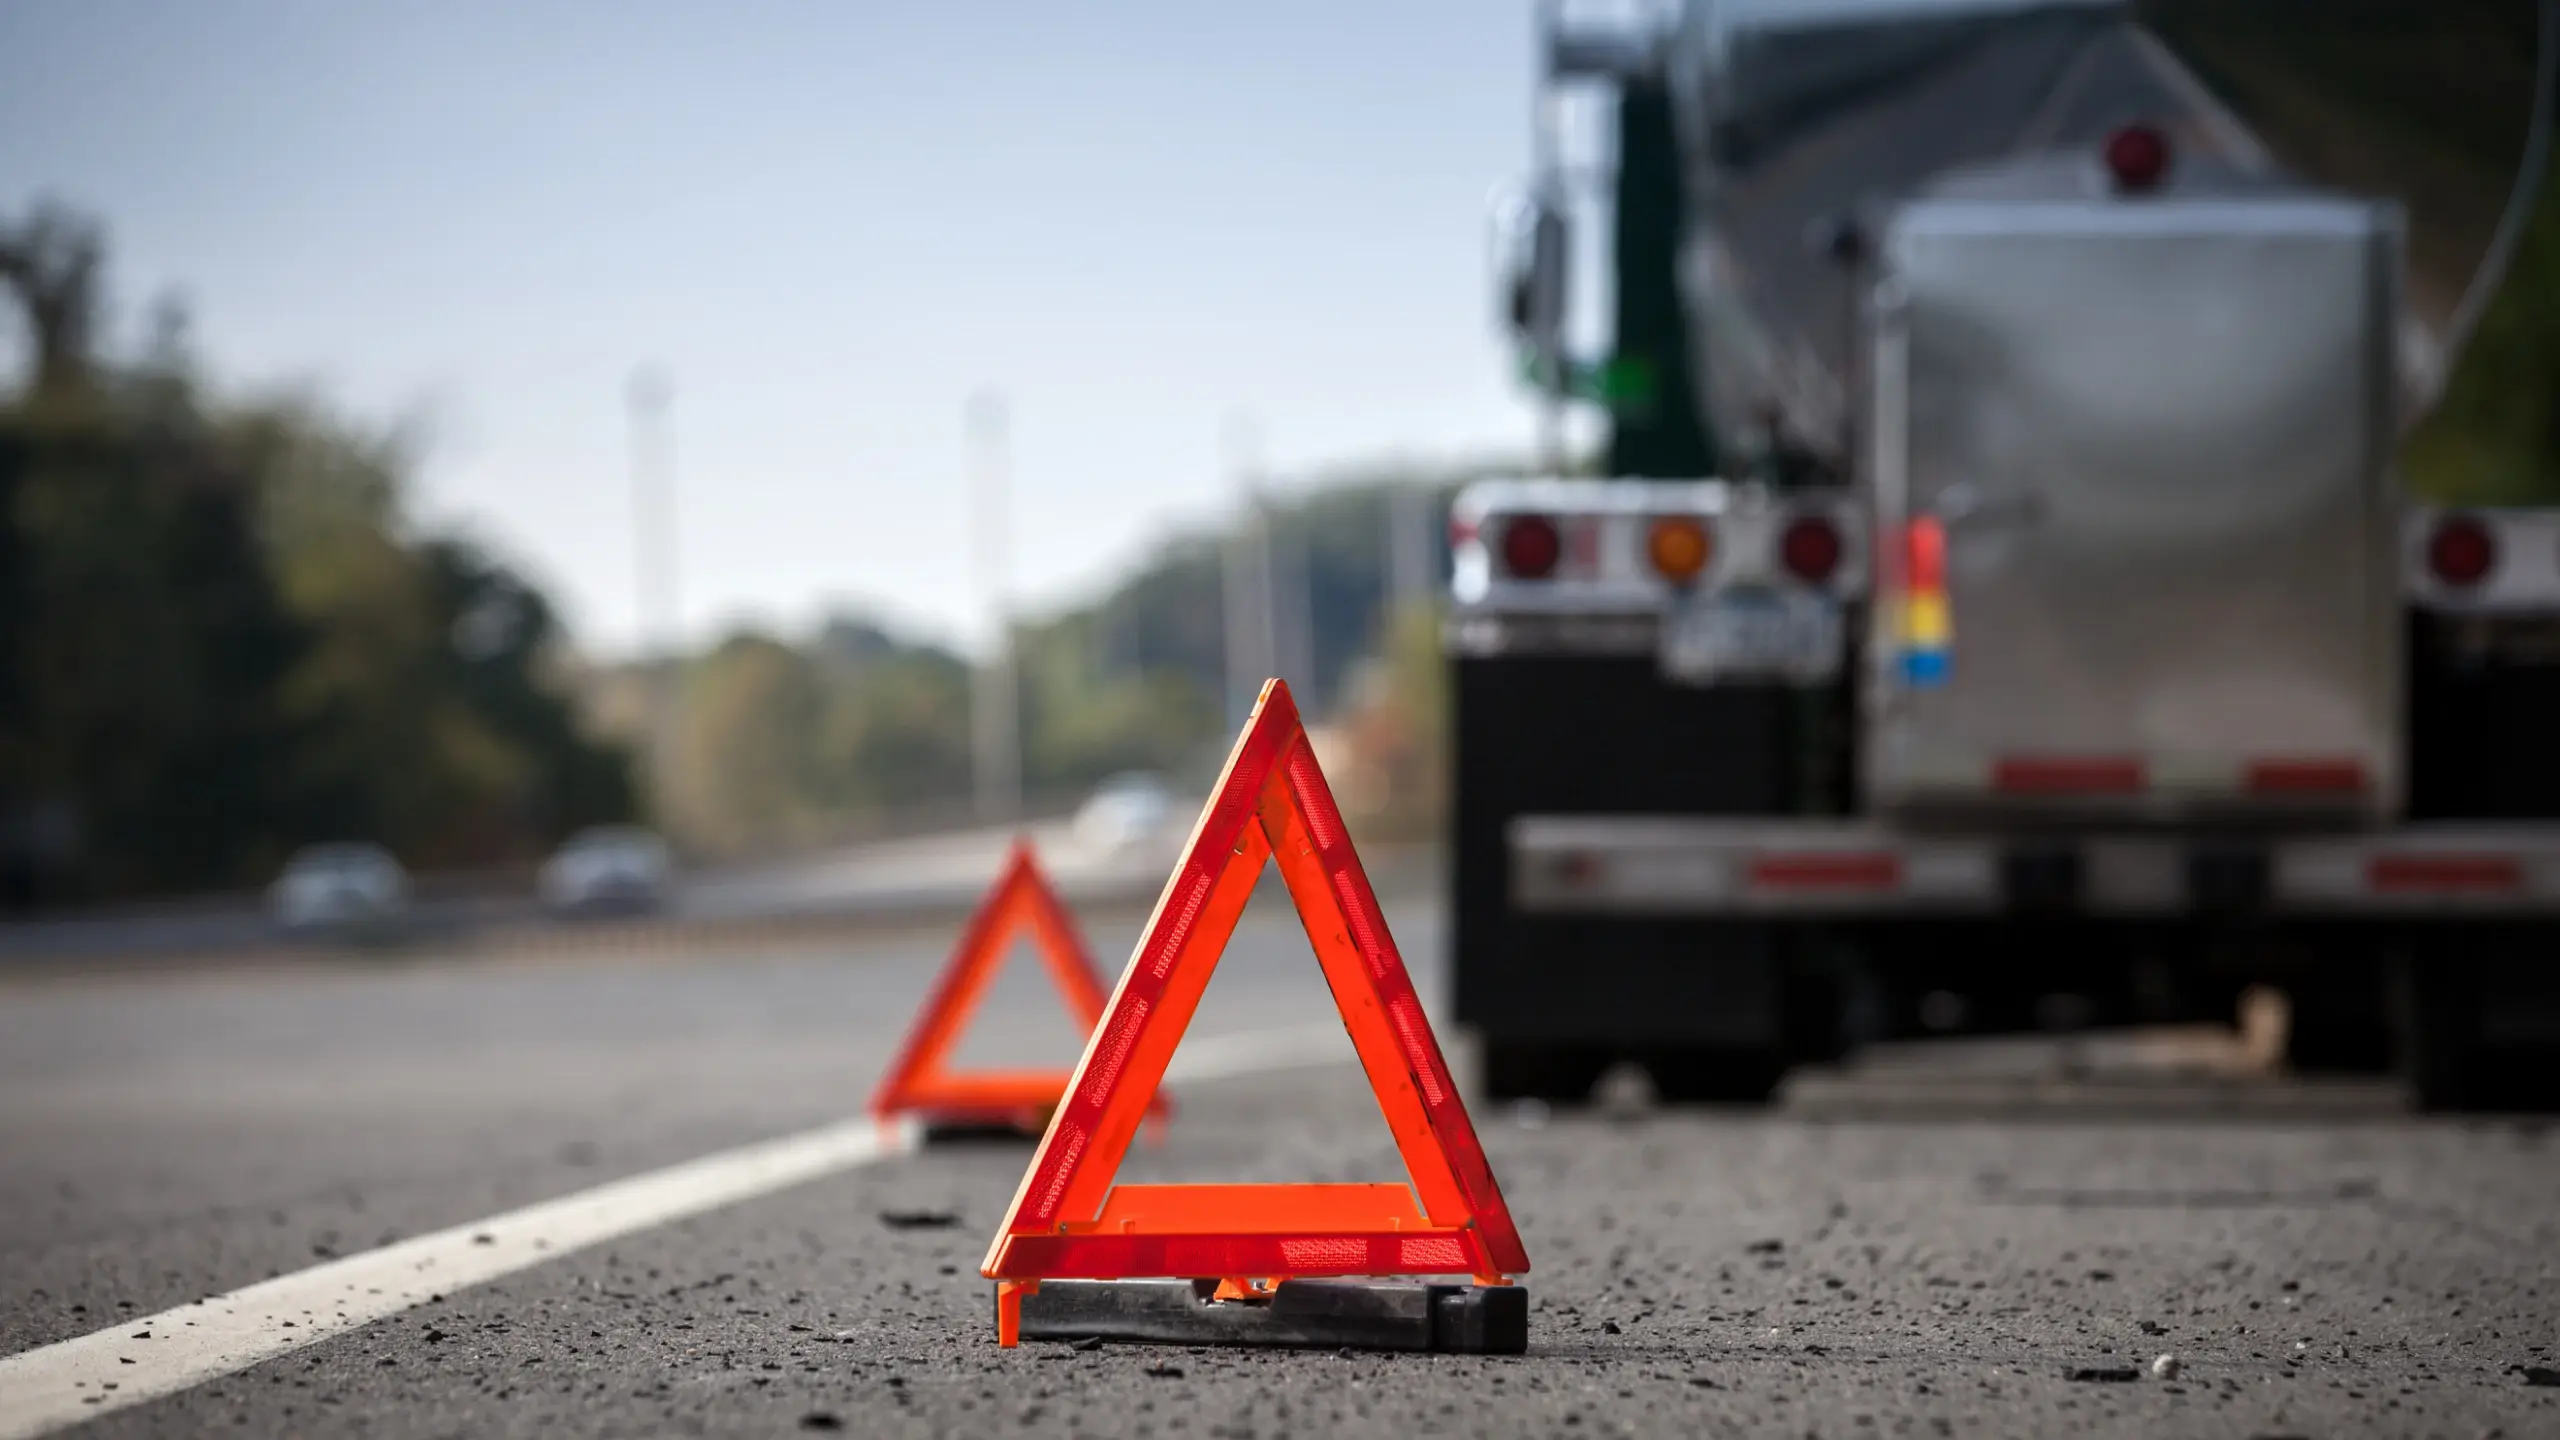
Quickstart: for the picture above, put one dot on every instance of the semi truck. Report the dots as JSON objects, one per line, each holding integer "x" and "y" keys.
{"x": 1997, "y": 606}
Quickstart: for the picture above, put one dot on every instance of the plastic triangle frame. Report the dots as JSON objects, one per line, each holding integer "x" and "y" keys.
{"x": 918, "y": 1083}
{"x": 1068, "y": 1220}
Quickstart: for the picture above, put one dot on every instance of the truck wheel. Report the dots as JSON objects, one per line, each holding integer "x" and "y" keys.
{"x": 2447, "y": 1053}
{"x": 1558, "y": 1074}
{"x": 1714, "y": 1075}
{"x": 2438, "y": 1039}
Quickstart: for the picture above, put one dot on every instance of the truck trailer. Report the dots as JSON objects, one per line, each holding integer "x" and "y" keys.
{"x": 1998, "y": 608}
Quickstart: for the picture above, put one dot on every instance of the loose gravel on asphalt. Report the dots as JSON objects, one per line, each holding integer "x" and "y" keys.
{"x": 1695, "y": 1275}
{"x": 1792, "y": 1273}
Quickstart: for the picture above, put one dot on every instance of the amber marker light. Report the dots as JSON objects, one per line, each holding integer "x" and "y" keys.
{"x": 1679, "y": 548}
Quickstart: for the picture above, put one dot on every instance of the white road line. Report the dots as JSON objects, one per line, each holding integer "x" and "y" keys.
{"x": 53, "y": 1386}
{"x": 62, "y": 1384}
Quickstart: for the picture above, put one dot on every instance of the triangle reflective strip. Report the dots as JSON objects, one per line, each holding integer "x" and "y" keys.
{"x": 1068, "y": 1220}
{"x": 917, "y": 1082}
{"x": 1381, "y": 1009}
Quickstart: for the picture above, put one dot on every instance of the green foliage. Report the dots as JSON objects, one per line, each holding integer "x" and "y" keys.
{"x": 898, "y": 731}
{"x": 2494, "y": 438}
{"x": 781, "y": 744}
{"x": 220, "y": 641}
{"x": 751, "y": 718}
{"x": 785, "y": 742}
{"x": 146, "y": 653}
{"x": 2426, "y": 103}
{"x": 1088, "y": 714}
{"x": 1400, "y": 723}
{"x": 1136, "y": 680}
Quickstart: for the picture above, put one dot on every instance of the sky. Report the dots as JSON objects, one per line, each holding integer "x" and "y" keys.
{"x": 831, "y": 224}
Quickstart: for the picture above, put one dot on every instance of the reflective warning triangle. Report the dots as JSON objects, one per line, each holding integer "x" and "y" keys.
{"x": 917, "y": 1083}
{"x": 1068, "y": 1221}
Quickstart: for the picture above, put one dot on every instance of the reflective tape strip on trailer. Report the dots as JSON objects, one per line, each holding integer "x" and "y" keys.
{"x": 1639, "y": 865}
{"x": 2450, "y": 868}
{"x": 2028, "y": 778}
{"x": 1671, "y": 866}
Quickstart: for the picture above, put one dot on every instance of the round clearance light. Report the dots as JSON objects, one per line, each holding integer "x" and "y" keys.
{"x": 1679, "y": 548}
{"x": 2138, "y": 157}
{"x": 1531, "y": 547}
{"x": 2462, "y": 551}
{"x": 1810, "y": 549}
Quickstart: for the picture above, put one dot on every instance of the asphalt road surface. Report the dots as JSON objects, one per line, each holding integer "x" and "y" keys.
{"x": 1860, "y": 1262}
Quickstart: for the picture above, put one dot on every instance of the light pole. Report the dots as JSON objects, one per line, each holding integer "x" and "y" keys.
{"x": 650, "y": 397}
{"x": 994, "y": 706}
{"x": 1292, "y": 591}
{"x": 1409, "y": 543}
{"x": 1546, "y": 144}
{"x": 1247, "y": 575}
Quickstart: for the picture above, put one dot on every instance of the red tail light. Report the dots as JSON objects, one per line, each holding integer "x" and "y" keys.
{"x": 1810, "y": 549}
{"x": 1461, "y": 532}
{"x": 2462, "y": 551}
{"x": 1924, "y": 555}
{"x": 1531, "y": 547}
{"x": 2138, "y": 157}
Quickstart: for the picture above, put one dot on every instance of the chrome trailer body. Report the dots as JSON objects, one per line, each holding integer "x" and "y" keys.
{"x": 2220, "y": 707}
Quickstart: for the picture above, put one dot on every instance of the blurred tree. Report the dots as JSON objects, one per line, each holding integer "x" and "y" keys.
{"x": 2426, "y": 103}
{"x": 501, "y": 660}
{"x": 144, "y": 747}
{"x": 898, "y": 731}
{"x": 2494, "y": 437}
{"x": 788, "y": 744}
{"x": 52, "y": 262}
{"x": 743, "y": 758}
{"x": 1086, "y": 717}
{"x": 855, "y": 728}
{"x": 219, "y": 640}
{"x": 1391, "y": 728}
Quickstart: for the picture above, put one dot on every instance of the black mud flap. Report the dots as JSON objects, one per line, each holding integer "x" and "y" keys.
{"x": 1319, "y": 1314}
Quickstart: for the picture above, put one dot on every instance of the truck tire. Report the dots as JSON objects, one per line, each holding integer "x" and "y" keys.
{"x": 1550, "y": 1071}
{"x": 2453, "y": 1062}
{"x": 2434, "y": 1043}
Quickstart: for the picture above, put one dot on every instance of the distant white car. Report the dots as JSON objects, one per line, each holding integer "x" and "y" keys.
{"x": 610, "y": 867}
{"x": 337, "y": 887}
{"x": 1125, "y": 811}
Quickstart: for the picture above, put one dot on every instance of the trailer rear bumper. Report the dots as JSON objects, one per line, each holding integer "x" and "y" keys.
{"x": 1668, "y": 866}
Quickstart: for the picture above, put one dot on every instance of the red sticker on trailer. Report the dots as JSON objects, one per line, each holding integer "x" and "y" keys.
{"x": 1819, "y": 871}
{"x": 2063, "y": 775}
{"x": 2306, "y": 777}
{"x": 2496, "y": 873}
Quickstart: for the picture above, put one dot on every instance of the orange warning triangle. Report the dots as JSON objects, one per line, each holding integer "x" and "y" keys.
{"x": 916, "y": 1082}
{"x": 1067, "y": 1220}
